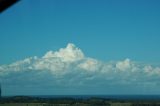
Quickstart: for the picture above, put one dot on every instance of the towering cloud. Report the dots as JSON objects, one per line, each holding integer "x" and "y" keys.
{"x": 69, "y": 54}
{"x": 70, "y": 68}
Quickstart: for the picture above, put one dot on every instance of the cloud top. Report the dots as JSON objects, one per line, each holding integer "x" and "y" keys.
{"x": 69, "y": 54}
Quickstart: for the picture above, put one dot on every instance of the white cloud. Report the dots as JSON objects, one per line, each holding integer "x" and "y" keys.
{"x": 69, "y": 67}
{"x": 90, "y": 65}
{"x": 123, "y": 65}
{"x": 69, "y": 54}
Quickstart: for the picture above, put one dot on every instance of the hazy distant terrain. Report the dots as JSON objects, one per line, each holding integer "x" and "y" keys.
{"x": 34, "y": 101}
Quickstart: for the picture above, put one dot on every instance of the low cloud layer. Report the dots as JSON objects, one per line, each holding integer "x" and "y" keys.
{"x": 70, "y": 68}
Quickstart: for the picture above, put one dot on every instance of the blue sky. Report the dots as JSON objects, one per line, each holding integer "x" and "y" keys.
{"x": 107, "y": 30}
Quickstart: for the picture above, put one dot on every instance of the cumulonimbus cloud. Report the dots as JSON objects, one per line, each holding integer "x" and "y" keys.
{"x": 69, "y": 67}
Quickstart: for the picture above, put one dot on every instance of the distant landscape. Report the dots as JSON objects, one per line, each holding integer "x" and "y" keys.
{"x": 70, "y": 101}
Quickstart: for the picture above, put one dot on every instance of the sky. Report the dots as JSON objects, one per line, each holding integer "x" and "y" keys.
{"x": 80, "y": 47}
